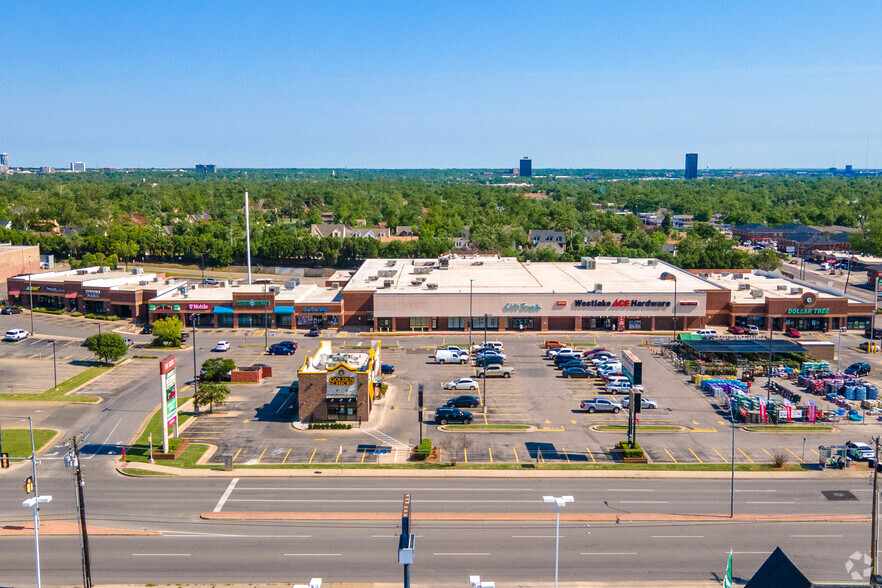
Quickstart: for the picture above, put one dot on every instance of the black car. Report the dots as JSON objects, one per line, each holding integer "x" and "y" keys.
{"x": 288, "y": 344}
{"x": 147, "y": 330}
{"x": 858, "y": 369}
{"x": 877, "y": 333}
{"x": 313, "y": 332}
{"x": 280, "y": 350}
{"x": 10, "y": 310}
{"x": 185, "y": 336}
{"x": 449, "y": 414}
{"x": 489, "y": 359}
{"x": 466, "y": 400}
{"x": 387, "y": 368}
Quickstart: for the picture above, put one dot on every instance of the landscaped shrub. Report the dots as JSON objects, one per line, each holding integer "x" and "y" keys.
{"x": 48, "y": 310}
{"x": 425, "y": 448}
{"x": 627, "y": 452}
{"x": 76, "y": 313}
{"x": 330, "y": 426}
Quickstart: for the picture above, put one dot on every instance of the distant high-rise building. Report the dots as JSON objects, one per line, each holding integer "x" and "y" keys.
{"x": 691, "y": 166}
{"x": 849, "y": 169}
{"x": 205, "y": 168}
{"x": 47, "y": 169}
{"x": 77, "y": 166}
{"x": 4, "y": 163}
{"x": 526, "y": 167}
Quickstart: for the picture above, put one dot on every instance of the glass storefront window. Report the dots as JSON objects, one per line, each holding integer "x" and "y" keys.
{"x": 859, "y": 322}
{"x": 342, "y": 409}
{"x": 384, "y": 323}
{"x": 492, "y": 323}
{"x": 225, "y": 321}
{"x": 420, "y": 323}
{"x": 745, "y": 321}
{"x": 283, "y": 321}
{"x": 457, "y": 323}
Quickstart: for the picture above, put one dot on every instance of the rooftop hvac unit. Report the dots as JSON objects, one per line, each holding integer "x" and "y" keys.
{"x": 432, "y": 286}
{"x": 652, "y": 262}
{"x": 291, "y": 284}
{"x": 234, "y": 283}
{"x": 387, "y": 273}
{"x": 726, "y": 274}
{"x": 598, "y": 287}
{"x": 781, "y": 287}
{"x": 796, "y": 290}
{"x": 225, "y": 283}
{"x": 737, "y": 276}
{"x": 423, "y": 269}
{"x": 477, "y": 263}
{"x": 415, "y": 282}
{"x": 704, "y": 275}
{"x": 143, "y": 283}
{"x": 756, "y": 293}
{"x": 589, "y": 263}
{"x": 275, "y": 289}
{"x": 157, "y": 279}
{"x": 371, "y": 278}
{"x": 388, "y": 283}
{"x": 82, "y": 272}
{"x": 138, "y": 271}
{"x": 390, "y": 263}
{"x": 743, "y": 286}
{"x": 104, "y": 269}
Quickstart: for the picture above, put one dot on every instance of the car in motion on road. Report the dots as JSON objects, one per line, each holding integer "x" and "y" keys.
{"x": 277, "y": 349}
{"x": 16, "y": 335}
{"x": 222, "y": 346}
{"x": 450, "y": 414}
{"x": 11, "y": 310}
{"x": 601, "y": 405}
{"x": 210, "y": 281}
{"x": 387, "y": 368}
{"x": 860, "y": 451}
{"x": 461, "y": 384}
{"x": 464, "y": 401}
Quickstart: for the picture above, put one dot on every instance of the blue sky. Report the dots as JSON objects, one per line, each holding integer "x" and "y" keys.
{"x": 441, "y": 84}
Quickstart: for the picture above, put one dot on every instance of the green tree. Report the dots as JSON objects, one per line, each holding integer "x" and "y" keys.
{"x": 167, "y": 331}
{"x": 107, "y": 346}
{"x": 211, "y": 393}
{"x": 216, "y": 368}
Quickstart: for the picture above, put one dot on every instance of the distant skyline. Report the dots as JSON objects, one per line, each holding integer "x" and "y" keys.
{"x": 455, "y": 85}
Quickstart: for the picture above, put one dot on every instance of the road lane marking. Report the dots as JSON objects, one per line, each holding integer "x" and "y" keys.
{"x": 379, "y": 500}
{"x": 739, "y": 490}
{"x": 745, "y": 455}
{"x": 313, "y": 454}
{"x": 535, "y": 536}
{"x": 643, "y": 501}
{"x": 721, "y": 455}
{"x": 195, "y": 534}
{"x": 312, "y": 554}
{"x": 630, "y": 490}
{"x": 796, "y": 456}
{"x": 608, "y": 553}
{"x": 671, "y": 456}
{"x": 459, "y": 554}
{"x": 813, "y": 536}
{"x": 771, "y": 502}
{"x": 161, "y": 554}
{"x": 695, "y": 454}
{"x": 237, "y": 454}
{"x": 677, "y": 537}
{"x": 226, "y": 495}
{"x": 259, "y": 457}
{"x": 591, "y": 455}
{"x": 286, "y": 456}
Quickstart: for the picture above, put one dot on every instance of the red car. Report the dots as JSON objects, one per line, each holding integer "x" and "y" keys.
{"x": 792, "y": 333}
{"x": 736, "y": 330}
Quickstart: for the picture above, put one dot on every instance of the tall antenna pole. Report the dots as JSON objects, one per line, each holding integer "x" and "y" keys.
{"x": 874, "y": 546}
{"x": 247, "y": 237}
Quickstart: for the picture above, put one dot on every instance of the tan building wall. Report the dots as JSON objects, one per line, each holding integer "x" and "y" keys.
{"x": 17, "y": 261}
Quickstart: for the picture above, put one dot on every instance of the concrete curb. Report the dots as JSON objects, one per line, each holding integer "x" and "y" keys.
{"x": 65, "y": 528}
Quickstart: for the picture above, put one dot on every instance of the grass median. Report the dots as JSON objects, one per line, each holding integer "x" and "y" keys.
{"x": 17, "y": 442}
{"x": 477, "y": 428}
{"x": 60, "y": 394}
{"x": 672, "y": 428}
{"x": 140, "y": 450}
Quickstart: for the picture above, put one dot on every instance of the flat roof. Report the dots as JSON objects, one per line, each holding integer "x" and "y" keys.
{"x": 304, "y": 293}
{"x": 326, "y": 357}
{"x": 744, "y": 346}
{"x": 756, "y": 286}
{"x": 94, "y": 277}
{"x": 8, "y": 248}
{"x": 499, "y": 275}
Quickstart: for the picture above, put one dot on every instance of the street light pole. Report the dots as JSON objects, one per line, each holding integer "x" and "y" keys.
{"x": 839, "y": 351}
{"x": 265, "y": 324}
{"x": 769, "y": 383}
{"x": 31, "y": 294}
{"x": 195, "y": 373}
{"x": 471, "y": 282}
{"x": 559, "y": 501}
{"x": 54, "y": 366}
{"x": 485, "y": 363}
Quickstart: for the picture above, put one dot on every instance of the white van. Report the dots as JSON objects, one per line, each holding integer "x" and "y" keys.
{"x": 706, "y": 333}
{"x": 753, "y": 330}
{"x": 16, "y": 334}
{"x": 450, "y": 356}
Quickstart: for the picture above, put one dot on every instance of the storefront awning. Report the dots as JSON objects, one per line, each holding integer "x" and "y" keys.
{"x": 223, "y": 310}
{"x": 745, "y": 346}
{"x": 70, "y": 295}
{"x": 14, "y": 292}
{"x": 284, "y": 310}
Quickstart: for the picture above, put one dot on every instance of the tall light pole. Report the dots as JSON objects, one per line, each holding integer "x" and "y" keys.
{"x": 675, "y": 308}
{"x": 265, "y": 323}
{"x": 34, "y": 502}
{"x": 31, "y": 294}
{"x": 248, "y": 236}
{"x": 54, "y": 366}
{"x": 195, "y": 373}
{"x": 560, "y": 501}
{"x": 486, "y": 316}
{"x": 471, "y": 282}
{"x": 839, "y": 351}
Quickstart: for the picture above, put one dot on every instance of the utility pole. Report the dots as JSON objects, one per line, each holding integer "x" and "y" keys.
{"x": 81, "y": 507}
{"x": 732, "y": 487}
{"x": 874, "y": 546}
{"x": 195, "y": 373}
{"x": 769, "y": 384}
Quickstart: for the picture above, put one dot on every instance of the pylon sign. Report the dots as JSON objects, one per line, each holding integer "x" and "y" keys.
{"x": 169, "y": 390}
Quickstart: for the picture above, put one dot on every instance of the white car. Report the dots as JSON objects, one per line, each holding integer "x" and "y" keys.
{"x": 16, "y": 334}
{"x": 222, "y": 346}
{"x": 455, "y": 348}
{"x": 461, "y": 384}
{"x": 644, "y": 402}
{"x": 605, "y": 359}
{"x": 552, "y": 353}
{"x": 609, "y": 369}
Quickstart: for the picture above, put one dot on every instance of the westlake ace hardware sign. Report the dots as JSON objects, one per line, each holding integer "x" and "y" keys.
{"x": 169, "y": 403}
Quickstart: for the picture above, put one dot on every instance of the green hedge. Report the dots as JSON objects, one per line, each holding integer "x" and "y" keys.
{"x": 102, "y": 317}
{"x": 628, "y": 452}
{"x": 330, "y": 426}
{"x": 48, "y": 310}
{"x": 76, "y": 313}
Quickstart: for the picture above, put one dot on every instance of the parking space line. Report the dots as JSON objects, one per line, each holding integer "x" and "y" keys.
{"x": 337, "y": 459}
{"x": 566, "y": 455}
{"x": 591, "y": 455}
{"x": 695, "y": 454}
{"x": 721, "y": 455}
{"x": 816, "y": 453}
{"x": 286, "y": 456}
{"x": 767, "y": 453}
{"x": 490, "y": 452}
{"x": 68, "y": 343}
{"x": 796, "y": 456}
{"x": 465, "y": 455}
{"x": 14, "y": 356}
{"x": 237, "y": 453}
{"x": 517, "y": 460}
{"x": 311, "y": 456}
{"x": 363, "y": 453}
{"x": 745, "y": 455}
{"x": 671, "y": 456}
{"x": 259, "y": 457}
{"x": 66, "y": 358}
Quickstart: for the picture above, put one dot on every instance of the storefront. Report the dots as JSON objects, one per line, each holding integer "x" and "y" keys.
{"x": 338, "y": 387}
{"x": 803, "y": 311}
{"x": 319, "y": 316}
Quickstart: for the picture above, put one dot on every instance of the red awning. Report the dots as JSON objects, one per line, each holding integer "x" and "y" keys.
{"x": 70, "y": 295}
{"x": 14, "y": 292}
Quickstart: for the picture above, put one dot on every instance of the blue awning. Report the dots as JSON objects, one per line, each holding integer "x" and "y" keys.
{"x": 284, "y": 310}
{"x": 223, "y": 310}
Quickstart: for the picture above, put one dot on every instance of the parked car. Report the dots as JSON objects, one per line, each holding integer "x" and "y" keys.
{"x": 461, "y": 384}
{"x": 563, "y": 358}
{"x": 858, "y": 369}
{"x": 496, "y": 370}
{"x": 288, "y": 344}
{"x": 450, "y": 414}
{"x": 552, "y": 344}
{"x": 573, "y": 363}
{"x": 128, "y": 342}
{"x": 147, "y": 330}
{"x": 278, "y": 349}
{"x": 222, "y": 346}
{"x": 489, "y": 359}
{"x": 210, "y": 281}
{"x": 736, "y": 330}
{"x": 578, "y": 372}
{"x": 185, "y": 336}
{"x": 791, "y": 332}
{"x": 601, "y": 405}
{"x": 644, "y": 402}
{"x": 609, "y": 370}
{"x": 618, "y": 379}
{"x": 486, "y": 352}
{"x": 446, "y": 356}
{"x": 11, "y": 310}
{"x": 456, "y": 348}
{"x": 706, "y": 333}
{"x": 877, "y": 333}
{"x": 464, "y": 401}
{"x": 314, "y": 332}
{"x": 550, "y": 353}
{"x": 860, "y": 451}
{"x": 753, "y": 330}
{"x": 16, "y": 334}
{"x": 387, "y": 368}
{"x": 618, "y": 387}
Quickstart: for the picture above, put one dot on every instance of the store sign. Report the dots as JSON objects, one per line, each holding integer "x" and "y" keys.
{"x": 93, "y": 293}
{"x": 169, "y": 390}
{"x": 198, "y": 306}
{"x": 341, "y": 383}
{"x": 521, "y": 307}
{"x": 54, "y": 289}
{"x": 252, "y": 303}
{"x": 320, "y": 309}
{"x": 164, "y": 307}
{"x": 32, "y": 288}
{"x": 808, "y": 311}
{"x": 622, "y": 303}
